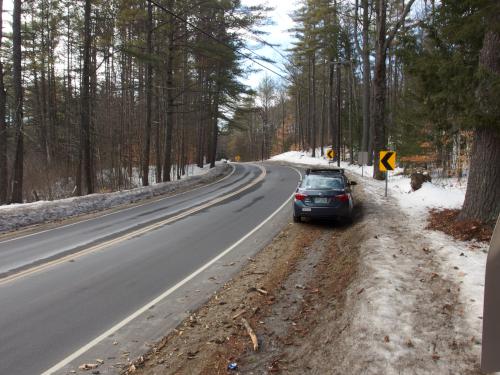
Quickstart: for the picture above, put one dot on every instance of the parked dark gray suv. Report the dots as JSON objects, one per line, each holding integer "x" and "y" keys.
{"x": 324, "y": 194}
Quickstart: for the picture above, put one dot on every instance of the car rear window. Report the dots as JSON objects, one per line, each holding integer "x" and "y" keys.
{"x": 321, "y": 182}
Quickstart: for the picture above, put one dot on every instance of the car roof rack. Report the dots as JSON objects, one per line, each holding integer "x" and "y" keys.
{"x": 324, "y": 170}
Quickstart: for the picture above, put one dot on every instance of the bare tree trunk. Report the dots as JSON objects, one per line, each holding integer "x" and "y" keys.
{"x": 339, "y": 108}
{"x": 17, "y": 184}
{"x": 3, "y": 127}
{"x": 349, "y": 109}
{"x": 296, "y": 140}
{"x": 94, "y": 146}
{"x": 169, "y": 98}
{"x": 313, "y": 105}
{"x": 483, "y": 187}
{"x": 149, "y": 89}
{"x": 379, "y": 85}
{"x": 159, "y": 121}
{"x": 200, "y": 140}
{"x": 366, "y": 79}
{"x": 308, "y": 121}
{"x": 283, "y": 119}
{"x": 383, "y": 42}
{"x": 85, "y": 142}
{"x": 185, "y": 101}
{"x": 332, "y": 108}
{"x": 215, "y": 124}
{"x": 323, "y": 113}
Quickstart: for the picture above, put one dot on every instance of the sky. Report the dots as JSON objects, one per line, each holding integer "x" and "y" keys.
{"x": 278, "y": 35}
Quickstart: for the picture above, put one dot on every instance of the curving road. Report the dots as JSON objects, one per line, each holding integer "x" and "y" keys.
{"x": 62, "y": 288}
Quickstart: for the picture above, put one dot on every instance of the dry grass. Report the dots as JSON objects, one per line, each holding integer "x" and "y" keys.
{"x": 465, "y": 230}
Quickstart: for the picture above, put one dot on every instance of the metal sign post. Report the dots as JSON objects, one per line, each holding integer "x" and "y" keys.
{"x": 363, "y": 160}
{"x": 386, "y": 182}
{"x": 387, "y": 163}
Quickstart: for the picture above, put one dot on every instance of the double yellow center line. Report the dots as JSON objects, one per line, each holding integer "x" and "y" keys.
{"x": 130, "y": 235}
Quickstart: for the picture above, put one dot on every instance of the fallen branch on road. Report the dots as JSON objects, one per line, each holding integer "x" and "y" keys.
{"x": 251, "y": 333}
{"x": 239, "y": 314}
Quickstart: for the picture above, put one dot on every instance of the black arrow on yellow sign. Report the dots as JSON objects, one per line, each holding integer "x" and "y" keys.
{"x": 387, "y": 161}
{"x": 330, "y": 154}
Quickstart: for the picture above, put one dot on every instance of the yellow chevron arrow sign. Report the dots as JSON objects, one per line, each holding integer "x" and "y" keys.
{"x": 387, "y": 161}
{"x": 330, "y": 154}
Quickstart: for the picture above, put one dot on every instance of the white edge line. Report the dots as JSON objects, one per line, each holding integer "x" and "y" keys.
{"x": 158, "y": 299}
{"x": 117, "y": 211}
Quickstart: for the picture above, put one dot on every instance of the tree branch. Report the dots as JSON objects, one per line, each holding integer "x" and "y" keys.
{"x": 392, "y": 33}
{"x": 356, "y": 21}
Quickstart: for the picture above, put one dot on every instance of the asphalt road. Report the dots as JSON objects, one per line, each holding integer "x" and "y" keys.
{"x": 48, "y": 314}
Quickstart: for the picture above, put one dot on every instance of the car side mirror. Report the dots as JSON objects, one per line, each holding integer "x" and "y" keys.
{"x": 353, "y": 183}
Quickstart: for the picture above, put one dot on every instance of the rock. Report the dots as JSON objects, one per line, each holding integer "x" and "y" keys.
{"x": 417, "y": 179}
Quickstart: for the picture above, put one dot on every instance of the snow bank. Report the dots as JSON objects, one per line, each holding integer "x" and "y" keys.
{"x": 15, "y": 216}
{"x": 428, "y": 196}
{"x": 301, "y": 157}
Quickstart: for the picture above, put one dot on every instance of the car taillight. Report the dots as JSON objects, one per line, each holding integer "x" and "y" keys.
{"x": 342, "y": 198}
{"x": 300, "y": 197}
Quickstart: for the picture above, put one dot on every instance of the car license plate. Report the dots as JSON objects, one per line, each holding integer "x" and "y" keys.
{"x": 321, "y": 200}
{"x": 307, "y": 209}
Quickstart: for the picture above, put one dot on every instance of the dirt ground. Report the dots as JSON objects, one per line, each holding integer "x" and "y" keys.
{"x": 326, "y": 298}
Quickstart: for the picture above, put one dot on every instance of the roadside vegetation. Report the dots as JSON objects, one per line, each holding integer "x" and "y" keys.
{"x": 95, "y": 95}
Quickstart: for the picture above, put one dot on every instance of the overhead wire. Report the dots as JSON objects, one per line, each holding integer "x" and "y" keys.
{"x": 235, "y": 50}
{"x": 245, "y": 55}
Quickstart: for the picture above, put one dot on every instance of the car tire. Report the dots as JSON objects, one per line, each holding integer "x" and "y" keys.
{"x": 296, "y": 219}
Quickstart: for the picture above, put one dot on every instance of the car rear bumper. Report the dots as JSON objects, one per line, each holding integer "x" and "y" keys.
{"x": 322, "y": 212}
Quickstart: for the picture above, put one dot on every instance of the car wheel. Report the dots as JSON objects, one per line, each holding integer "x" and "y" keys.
{"x": 296, "y": 219}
